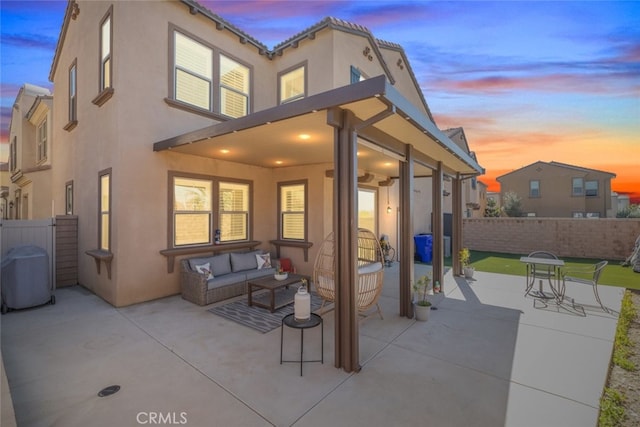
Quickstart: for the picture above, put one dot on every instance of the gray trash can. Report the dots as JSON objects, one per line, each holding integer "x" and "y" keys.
{"x": 25, "y": 278}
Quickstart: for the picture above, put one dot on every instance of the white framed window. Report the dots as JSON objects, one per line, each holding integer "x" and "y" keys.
{"x": 293, "y": 210}
{"x": 577, "y": 187}
{"x": 234, "y": 88}
{"x": 42, "y": 133}
{"x": 591, "y": 188}
{"x": 193, "y": 71}
{"x": 73, "y": 99}
{"x": 105, "y": 52}
{"x": 104, "y": 217}
{"x": 293, "y": 84}
{"x": 534, "y": 188}
{"x": 200, "y": 204}
{"x": 192, "y": 211}
{"x": 233, "y": 211}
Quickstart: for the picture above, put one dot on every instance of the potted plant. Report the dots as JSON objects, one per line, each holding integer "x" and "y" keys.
{"x": 465, "y": 260}
{"x": 422, "y": 305}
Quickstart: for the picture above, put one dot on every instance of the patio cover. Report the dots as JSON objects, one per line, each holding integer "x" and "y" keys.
{"x": 359, "y": 126}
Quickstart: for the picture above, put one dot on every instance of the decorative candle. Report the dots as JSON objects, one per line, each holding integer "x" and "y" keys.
{"x": 302, "y": 304}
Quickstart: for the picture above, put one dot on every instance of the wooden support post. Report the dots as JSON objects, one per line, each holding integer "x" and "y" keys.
{"x": 406, "y": 243}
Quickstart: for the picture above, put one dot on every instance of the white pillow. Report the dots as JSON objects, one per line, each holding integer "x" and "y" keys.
{"x": 205, "y": 269}
{"x": 264, "y": 261}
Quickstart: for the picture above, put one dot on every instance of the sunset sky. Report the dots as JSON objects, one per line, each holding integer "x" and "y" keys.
{"x": 528, "y": 81}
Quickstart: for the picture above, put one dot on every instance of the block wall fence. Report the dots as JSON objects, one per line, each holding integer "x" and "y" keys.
{"x": 603, "y": 238}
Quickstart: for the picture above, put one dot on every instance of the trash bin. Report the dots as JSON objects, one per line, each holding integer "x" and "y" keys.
{"x": 25, "y": 278}
{"x": 424, "y": 247}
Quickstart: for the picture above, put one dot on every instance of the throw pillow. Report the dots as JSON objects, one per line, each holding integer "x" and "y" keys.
{"x": 264, "y": 261}
{"x": 205, "y": 269}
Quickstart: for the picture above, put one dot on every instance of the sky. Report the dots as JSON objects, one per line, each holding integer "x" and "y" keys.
{"x": 528, "y": 81}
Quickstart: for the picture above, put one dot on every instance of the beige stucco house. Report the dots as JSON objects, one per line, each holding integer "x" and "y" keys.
{"x": 210, "y": 130}
{"x": 29, "y": 186}
{"x": 553, "y": 189}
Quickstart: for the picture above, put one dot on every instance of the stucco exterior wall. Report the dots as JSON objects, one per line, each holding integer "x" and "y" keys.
{"x": 604, "y": 238}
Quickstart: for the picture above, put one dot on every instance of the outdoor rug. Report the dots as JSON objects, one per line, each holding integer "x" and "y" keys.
{"x": 258, "y": 318}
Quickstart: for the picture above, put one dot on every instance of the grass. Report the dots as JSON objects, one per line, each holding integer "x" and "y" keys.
{"x": 612, "y": 404}
{"x": 622, "y": 346}
{"x": 612, "y": 411}
{"x": 493, "y": 262}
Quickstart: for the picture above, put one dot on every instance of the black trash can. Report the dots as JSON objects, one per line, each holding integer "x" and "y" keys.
{"x": 25, "y": 278}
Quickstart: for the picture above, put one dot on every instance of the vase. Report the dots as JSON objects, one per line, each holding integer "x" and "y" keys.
{"x": 468, "y": 272}
{"x": 422, "y": 312}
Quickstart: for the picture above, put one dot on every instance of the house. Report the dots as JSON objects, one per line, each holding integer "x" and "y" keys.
{"x": 553, "y": 189}
{"x": 213, "y": 131}
{"x": 4, "y": 190}
{"x": 29, "y": 190}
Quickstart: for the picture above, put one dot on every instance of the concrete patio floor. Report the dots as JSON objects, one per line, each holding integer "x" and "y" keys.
{"x": 486, "y": 357}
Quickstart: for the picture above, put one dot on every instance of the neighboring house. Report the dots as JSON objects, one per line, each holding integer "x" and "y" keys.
{"x": 4, "y": 190}
{"x": 211, "y": 130}
{"x": 30, "y": 145}
{"x": 560, "y": 190}
{"x": 620, "y": 202}
{"x": 482, "y": 201}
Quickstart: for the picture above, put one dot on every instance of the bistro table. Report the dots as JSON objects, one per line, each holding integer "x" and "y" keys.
{"x": 290, "y": 321}
{"x": 551, "y": 268}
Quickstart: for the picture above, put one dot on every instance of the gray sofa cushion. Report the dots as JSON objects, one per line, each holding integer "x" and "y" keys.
{"x": 227, "y": 279}
{"x": 220, "y": 264}
{"x": 244, "y": 261}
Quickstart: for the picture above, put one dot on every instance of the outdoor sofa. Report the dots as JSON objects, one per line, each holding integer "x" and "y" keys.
{"x": 205, "y": 280}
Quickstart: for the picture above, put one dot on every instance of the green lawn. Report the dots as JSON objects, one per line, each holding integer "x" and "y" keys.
{"x": 614, "y": 274}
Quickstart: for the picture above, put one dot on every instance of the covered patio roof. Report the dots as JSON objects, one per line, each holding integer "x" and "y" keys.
{"x": 299, "y": 133}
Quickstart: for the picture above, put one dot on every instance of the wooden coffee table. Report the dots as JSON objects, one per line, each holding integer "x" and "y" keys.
{"x": 272, "y": 285}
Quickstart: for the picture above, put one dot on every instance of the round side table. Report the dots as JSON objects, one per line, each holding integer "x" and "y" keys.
{"x": 290, "y": 321}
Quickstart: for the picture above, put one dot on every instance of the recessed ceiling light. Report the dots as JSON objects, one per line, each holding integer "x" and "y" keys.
{"x": 224, "y": 151}
{"x": 304, "y": 136}
{"x": 388, "y": 163}
{"x": 278, "y": 162}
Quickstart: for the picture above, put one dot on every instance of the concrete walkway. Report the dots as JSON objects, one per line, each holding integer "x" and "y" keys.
{"x": 486, "y": 357}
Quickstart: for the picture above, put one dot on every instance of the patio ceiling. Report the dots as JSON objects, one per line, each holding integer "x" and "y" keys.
{"x": 298, "y": 134}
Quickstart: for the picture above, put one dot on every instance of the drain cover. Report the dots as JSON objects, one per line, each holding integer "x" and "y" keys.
{"x": 108, "y": 391}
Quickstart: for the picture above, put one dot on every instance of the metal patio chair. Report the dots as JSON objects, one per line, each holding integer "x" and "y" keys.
{"x": 585, "y": 276}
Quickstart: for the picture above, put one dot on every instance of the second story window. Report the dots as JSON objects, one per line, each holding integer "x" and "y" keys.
{"x": 293, "y": 84}
{"x": 534, "y": 188}
{"x": 193, "y": 72}
{"x": 234, "y": 88}
{"x": 292, "y": 210}
{"x": 591, "y": 188}
{"x": 42, "y": 141}
{"x": 13, "y": 154}
{"x": 577, "y": 187}
{"x": 105, "y": 54}
{"x": 73, "y": 98}
{"x": 357, "y": 75}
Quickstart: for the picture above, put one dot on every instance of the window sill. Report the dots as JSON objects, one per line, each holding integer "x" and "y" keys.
{"x": 172, "y": 253}
{"x": 101, "y": 255}
{"x": 71, "y": 125}
{"x": 103, "y": 96}
{"x": 192, "y": 109}
{"x": 292, "y": 244}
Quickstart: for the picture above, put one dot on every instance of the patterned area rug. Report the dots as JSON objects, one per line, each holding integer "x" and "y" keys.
{"x": 261, "y": 319}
